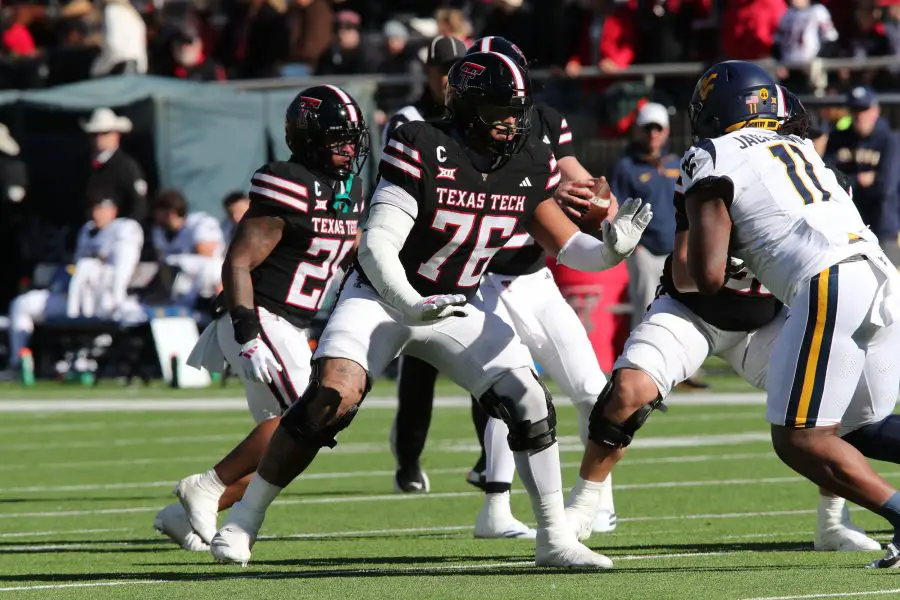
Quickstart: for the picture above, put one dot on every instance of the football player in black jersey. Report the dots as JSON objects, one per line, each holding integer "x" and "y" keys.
{"x": 681, "y": 329}
{"x": 520, "y": 285}
{"x": 300, "y": 227}
{"x": 449, "y": 197}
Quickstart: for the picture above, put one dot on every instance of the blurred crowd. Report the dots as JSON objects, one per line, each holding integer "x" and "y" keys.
{"x": 50, "y": 43}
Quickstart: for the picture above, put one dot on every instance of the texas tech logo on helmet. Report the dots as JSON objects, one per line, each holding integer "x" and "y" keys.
{"x": 308, "y": 104}
{"x": 469, "y": 70}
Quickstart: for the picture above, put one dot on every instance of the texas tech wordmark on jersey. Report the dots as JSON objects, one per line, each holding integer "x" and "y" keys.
{"x": 463, "y": 216}
{"x": 291, "y": 281}
{"x": 522, "y": 255}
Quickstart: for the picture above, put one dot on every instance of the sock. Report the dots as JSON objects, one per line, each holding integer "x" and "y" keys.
{"x": 586, "y": 494}
{"x": 211, "y": 480}
{"x": 541, "y": 476}
{"x": 606, "y": 495}
{"x": 498, "y": 502}
{"x": 830, "y": 513}
{"x": 260, "y": 494}
{"x": 500, "y": 466}
{"x": 890, "y": 510}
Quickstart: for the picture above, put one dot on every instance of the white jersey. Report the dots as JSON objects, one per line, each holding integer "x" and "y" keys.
{"x": 791, "y": 218}
{"x": 120, "y": 235}
{"x": 199, "y": 228}
{"x": 801, "y": 33}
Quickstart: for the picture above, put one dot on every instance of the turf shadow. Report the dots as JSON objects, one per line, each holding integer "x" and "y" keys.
{"x": 707, "y": 547}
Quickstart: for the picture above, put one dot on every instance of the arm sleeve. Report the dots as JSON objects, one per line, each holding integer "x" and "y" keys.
{"x": 126, "y": 254}
{"x": 379, "y": 254}
{"x": 586, "y": 253}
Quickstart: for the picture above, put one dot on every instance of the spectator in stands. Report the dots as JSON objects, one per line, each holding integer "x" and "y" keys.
{"x": 511, "y": 19}
{"x": 17, "y": 39}
{"x": 748, "y": 28}
{"x": 868, "y": 153}
{"x": 115, "y": 174}
{"x": 190, "y": 245}
{"x": 190, "y": 60}
{"x": 346, "y": 55}
{"x": 124, "y": 41}
{"x": 236, "y": 205}
{"x": 647, "y": 171}
{"x": 396, "y": 60}
{"x": 618, "y": 39}
{"x": 805, "y": 33}
{"x": 442, "y": 51}
{"x": 452, "y": 22}
{"x": 310, "y": 33}
{"x": 13, "y": 214}
{"x": 106, "y": 257}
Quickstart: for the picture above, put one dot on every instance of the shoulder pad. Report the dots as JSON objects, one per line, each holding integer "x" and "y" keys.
{"x": 281, "y": 183}
{"x": 698, "y": 163}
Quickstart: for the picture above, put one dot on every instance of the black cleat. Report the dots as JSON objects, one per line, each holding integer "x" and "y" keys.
{"x": 476, "y": 478}
{"x": 411, "y": 480}
{"x": 891, "y": 559}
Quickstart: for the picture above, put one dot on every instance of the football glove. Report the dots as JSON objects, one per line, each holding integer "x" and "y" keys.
{"x": 440, "y": 306}
{"x": 622, "y": 234}
{"x": 258, "y": 363}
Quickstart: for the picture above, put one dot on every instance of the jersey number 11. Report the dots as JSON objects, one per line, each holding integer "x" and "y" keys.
{"x": 789, "y": 154}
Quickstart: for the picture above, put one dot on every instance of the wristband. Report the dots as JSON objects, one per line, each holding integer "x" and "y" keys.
{"x": 245, "y": 323}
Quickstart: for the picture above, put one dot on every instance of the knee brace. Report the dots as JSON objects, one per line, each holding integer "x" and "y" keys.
{"x": 524, "y": 434}
{"x": 607, "y": 433}
{"x": 880, "y": 441}
{"x": 319, "y": 431}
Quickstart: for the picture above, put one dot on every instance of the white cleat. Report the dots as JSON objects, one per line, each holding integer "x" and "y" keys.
{"x": 581, "y": 522}
{"x": 495, "y": 520}
{"x": 201, "y": 505}
{"x": 604, "y": 522}
{"x": 172, "y": 522}
{"x": 560, "y": 550}
{"x": 231, "y": 544}
{"x": 843, "y": 539}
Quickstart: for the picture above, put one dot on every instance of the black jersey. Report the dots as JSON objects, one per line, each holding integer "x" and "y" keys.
{"x": 462, "y": 215}
{"x": 742, "y": 305}
{"x": 291, "y": 281}
{"x": 522, "y": 255}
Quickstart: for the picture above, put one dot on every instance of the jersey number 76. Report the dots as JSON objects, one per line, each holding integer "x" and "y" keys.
{"x": 481, "y": 254}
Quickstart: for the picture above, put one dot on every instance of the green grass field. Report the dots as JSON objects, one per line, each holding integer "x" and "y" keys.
{"x": 705, "y": 510}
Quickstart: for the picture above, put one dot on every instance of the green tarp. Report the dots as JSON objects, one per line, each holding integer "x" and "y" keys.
{"x": 205, "y": 139}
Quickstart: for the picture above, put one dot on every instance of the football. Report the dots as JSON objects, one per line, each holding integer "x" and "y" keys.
{"x": 602, "y": 208}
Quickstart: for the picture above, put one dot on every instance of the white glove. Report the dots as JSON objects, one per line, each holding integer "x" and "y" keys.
{"x": 258, "y": 362}
{"x": 437, "y": 307}
{"x": 622, "y": 235}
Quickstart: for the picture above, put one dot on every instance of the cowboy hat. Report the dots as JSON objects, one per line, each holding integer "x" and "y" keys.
{"x": 8, "y": 145}
{"x": 104, "y": 120}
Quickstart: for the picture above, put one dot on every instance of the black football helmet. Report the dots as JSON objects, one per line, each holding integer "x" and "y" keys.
{"x": 484, "y": 89}
{"x": 319, "y": 122}
{"x": 796, "y": 119}
{"x": 500, "y": 45}
{"x": 732, "y": 95}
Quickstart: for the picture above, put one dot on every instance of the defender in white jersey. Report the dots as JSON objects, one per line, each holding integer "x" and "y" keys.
{"x": 769, "y": 200}
{"x": 106, "y": 255}
{"x": 193, "y": 243}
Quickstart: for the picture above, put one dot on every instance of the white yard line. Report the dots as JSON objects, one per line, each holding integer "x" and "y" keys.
{"x": 361, "y": 474}
{"x": 700, "y": 458}
{"x": 63, "y": 586}
{"x": 832, "y": 595}
{"x": 227, "y": 404}
{"x": 118, "y": 424}
{"x": 626, "y": 486}
{"x": 65, "y": 532}
{"x": 450, "y": 446}
{"x": 432, "y": 496}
